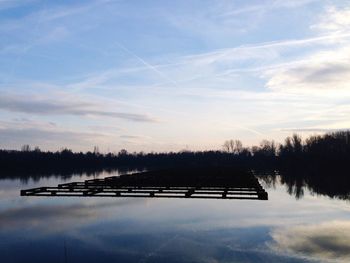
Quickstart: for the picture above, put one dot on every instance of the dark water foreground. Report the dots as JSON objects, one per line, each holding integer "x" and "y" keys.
{"x": 296, "y": 224}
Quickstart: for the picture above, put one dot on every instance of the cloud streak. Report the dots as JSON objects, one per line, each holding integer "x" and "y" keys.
{"x": 325, "y": 70}
{"x": 312, "y": 130}
{"x": 334, "y": 19}
{"x": 272, "y": 5}
{"x": 56, "y": 107}
{"x": 26, "y": 135}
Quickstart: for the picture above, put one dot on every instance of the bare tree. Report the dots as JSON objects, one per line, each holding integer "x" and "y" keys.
{"x": 238, "y": 147}
{"x": 297, "y": 143}
{"x": 25, "y": 148}
{"x": 123, "y": 152}
{"x": 37, "y": 149}
{"x": 233, "y": 146}
{"x": 96, "y": 150}
{"x": 226, "y": 146}
{"x": 268, "y": 148}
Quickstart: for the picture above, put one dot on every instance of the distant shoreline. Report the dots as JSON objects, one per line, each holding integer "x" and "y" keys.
{"x": 328, "y": 151}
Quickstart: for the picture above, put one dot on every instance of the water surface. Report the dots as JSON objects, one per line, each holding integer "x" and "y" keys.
{"x": 285, "y": 228}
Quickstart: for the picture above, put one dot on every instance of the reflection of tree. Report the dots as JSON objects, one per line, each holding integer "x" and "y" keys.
{"x": 65, "y": 176}
{"x": 333, "y": 183}
{"x": 269, "y": 177}
{"x": 295, "y": 184}
{"x": 320, "y": 163}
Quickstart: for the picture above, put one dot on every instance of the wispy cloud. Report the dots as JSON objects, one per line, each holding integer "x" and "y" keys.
{"x": 326, "y": 70}
{"x": 229, "y": 53}
{"x": 334, "y": 19}
{"x": 47, "y": 138}
{"x": 49, "y": 106}
{"x": 262, "y": 58}
{"x": 227, "y": 19}
{"x": 220, "y": 70}
{"x": 148, "y": 65}
{"x": 322, "y": 130}
{"x": 267, "y": 6}
{"x": 133, "y": 137}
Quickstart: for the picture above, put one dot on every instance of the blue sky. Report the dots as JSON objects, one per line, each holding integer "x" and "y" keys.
{"x": 171, "y": 75}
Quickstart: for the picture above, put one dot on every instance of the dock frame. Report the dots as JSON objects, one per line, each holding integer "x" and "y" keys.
{"x": 119, "y": 186}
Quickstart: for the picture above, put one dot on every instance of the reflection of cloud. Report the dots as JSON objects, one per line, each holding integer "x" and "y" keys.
{"x": 59, "y": 216}
{"x": 328, "y": 241}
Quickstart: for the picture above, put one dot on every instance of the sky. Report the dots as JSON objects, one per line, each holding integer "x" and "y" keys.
{"x": 171, "y": 75}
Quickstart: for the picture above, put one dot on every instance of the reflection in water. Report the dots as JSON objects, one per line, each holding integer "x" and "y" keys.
{"x": 334, "y": 184}
{"x": 92, "y": 173}
{"x": 61, "y": 216}
{"x": 171, "y": 230}
{"x": 326, "y": 241}
{"x": 199, "y": 182}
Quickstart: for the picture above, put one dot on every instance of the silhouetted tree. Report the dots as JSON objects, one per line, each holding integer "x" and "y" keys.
{"x": 329, "y": 152}
{"x": 25, "y": 148}
{"x": 233, "y": 146}
{"x": 267, "y": 149}
{"x": 37, "y": 149}
{"x": 96, "y": 150}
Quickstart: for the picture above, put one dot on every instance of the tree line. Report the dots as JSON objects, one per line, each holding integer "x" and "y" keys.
{"x": 331, "y": 151}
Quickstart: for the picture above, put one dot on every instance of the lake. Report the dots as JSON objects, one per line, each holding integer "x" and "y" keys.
{"x": 292, "y": 226}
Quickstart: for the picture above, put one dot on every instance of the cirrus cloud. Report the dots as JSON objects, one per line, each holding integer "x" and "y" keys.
{"x": 335, "y": 19}
{"x": 322, "y": 71}
{"x": 41, "y": 106}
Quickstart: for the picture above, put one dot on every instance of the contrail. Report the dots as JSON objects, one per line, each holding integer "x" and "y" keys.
{"x": 148, "y": 65}
{"x": 249, "y": 129}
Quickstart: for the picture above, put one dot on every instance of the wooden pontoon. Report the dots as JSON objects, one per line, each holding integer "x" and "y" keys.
{"x": 209, "y": 183}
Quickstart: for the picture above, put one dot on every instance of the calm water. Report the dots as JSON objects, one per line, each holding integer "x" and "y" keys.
{"x": 65, "y": 229}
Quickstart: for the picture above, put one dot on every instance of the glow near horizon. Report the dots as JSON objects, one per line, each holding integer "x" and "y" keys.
{"x": 162, "y": 76}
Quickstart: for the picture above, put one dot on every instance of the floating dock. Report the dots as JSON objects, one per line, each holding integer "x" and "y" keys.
{"x": 205, "y": 183}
